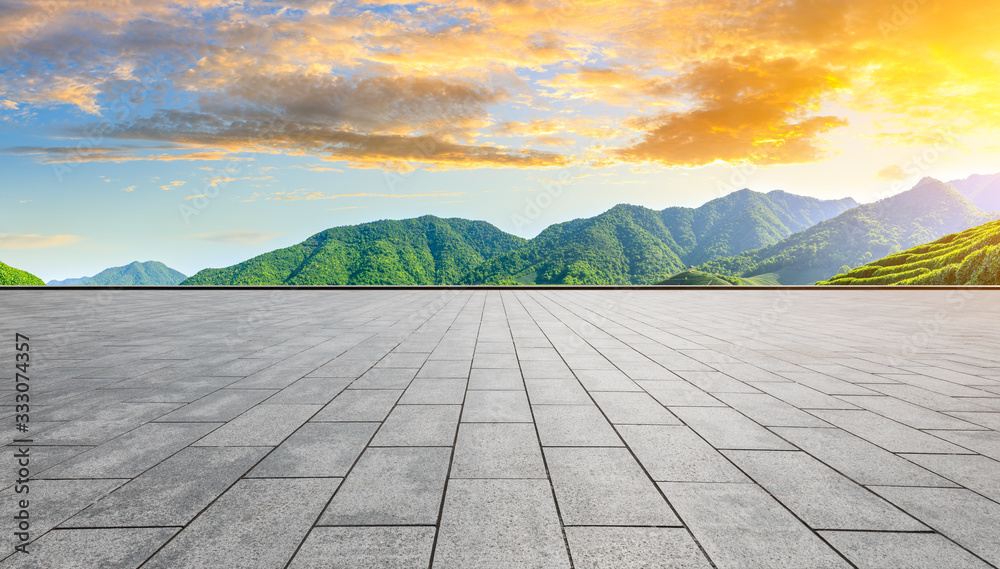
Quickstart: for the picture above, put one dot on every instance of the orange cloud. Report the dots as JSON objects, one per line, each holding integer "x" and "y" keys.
{"x": 745, "y": 109}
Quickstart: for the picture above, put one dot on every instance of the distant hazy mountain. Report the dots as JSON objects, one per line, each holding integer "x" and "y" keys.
{"x": 868, "y": 232}
{"x": 631, "y": 244}
{"x": 971, "y": 257}
{"x": 150, "y": 273}
{"x": 68, "y": 282}
{"x": 9, "y": 276}
{"x": 424, "y": 250}
{"x": 982, "y": 190}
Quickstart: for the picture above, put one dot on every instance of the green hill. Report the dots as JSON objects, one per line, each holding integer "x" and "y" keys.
{"x": 689, "y": 278}
{"x": 971, "y": 257}
{"x": 424, "y": 250}
{"x": 636, "y": 245}
{"x": 9, "y": 276}
{"x": 871, "y": 231}
{"x": 150, "y": 273}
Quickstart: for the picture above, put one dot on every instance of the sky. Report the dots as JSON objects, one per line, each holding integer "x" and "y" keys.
{"x": 200, "y": 133}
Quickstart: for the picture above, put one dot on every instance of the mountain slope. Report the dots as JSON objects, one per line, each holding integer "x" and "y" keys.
{"x": 150, "y": 273}
{"x": 9, "y": 276}
{"x": 691, "y": 278}
{"x": 928, "y": 211}
{"x": 982, "y": 190}
{"x": 423, "y": 250}
{"x": 971, "y": 257}
{"x": 746, "y": 220}
{"x": 636, "y": 245}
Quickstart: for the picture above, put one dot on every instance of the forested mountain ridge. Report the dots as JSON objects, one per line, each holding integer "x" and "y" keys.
{"x": 926, "y": 212}
{"x": 423, "y": 250}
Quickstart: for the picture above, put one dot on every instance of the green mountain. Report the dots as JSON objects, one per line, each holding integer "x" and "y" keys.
{"x": 871, "y": 231}
{"x": 150, "y": 273}
{"x": 689, "y": 278}
{"x": 424, "y": 250}
{"x": 971, "y": 257}
{"x": 9, "y": 276}
{"x": 982, "y": 190}
{"x": 636, "y": 245}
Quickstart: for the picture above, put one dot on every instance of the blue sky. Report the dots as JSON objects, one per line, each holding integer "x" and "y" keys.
{"x": 201, "y": 133}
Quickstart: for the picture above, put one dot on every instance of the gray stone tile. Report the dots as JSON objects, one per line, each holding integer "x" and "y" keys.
{"x": 92, "y": 548}
{"x": 402, "y": 360}
{"x": 264, "y": 425}
{"x": 360, "y": 405}
{"x": 218, "y": 407}
{"x": 496, "y": 407}
{"x": 419, "y": 425}
{"x": 738, "y": 526}
{"x": 858, "y": 459}
{"x": 497, "y": 450}
{"x": 976, "y": 472}
{"x": 987, "y": 419}
{"x": 317, "y": 450}
{"x": 716, "y": 382}
{"x": 309, "y": 391}
{"x": 630, "y": 408}
{"x": 274, "y": 377}
{"x": 928, "y": 399}
{"x": 986, "y": 443}
{"x": 424, "y": 391}
{"x": 909, "y": 414}
{"x": 556, "y": 392}
{"x": 397, "y": 547}
{"x": 445, "y": 369}
{"x": 495, "y": 361}
{"x": 679, "y": 393}
{"x": 727, "y": 429}
{"x": 819, "y": 495}
{"x": 256, "y": 523}
{"x": 185, "y": 390}
{"x": 769, "y": 411}
{"x": 605, "y": 487}
{"x": 51, "y": 502}
{"x": 802, "y": 397}
{"x": 826, "y": 384}
{"x": 385, "y": 378}
{"x": 968, "y": 519}
{"x": 888, "y": 434}
{"x": 677, "y": 454}
{"x": 168, "y": 494}
{"x": 606, "y": 380}
{"x": 634, "y": 548}
{"x": 573, "y": 425}
{"x": 350, "y": 369}
{"x": 496, "y": 379}
{"x": 391, "y": 486}
{"x": 132, "y": 453}
{"x": 533, "y": 369}
{"x": 500, "y": 523}
{"x": 881, "y": 550}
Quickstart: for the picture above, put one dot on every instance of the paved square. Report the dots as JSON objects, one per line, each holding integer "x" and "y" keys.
{"x": 541, "y": 428}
